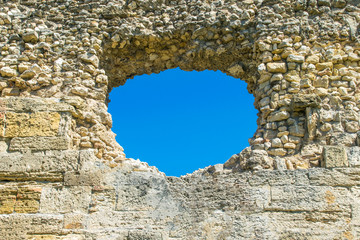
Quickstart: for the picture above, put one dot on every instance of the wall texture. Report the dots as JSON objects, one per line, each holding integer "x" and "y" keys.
{"x": 63, "y": 175}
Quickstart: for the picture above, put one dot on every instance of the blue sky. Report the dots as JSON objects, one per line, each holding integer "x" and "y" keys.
{"x": 181, "y": 121}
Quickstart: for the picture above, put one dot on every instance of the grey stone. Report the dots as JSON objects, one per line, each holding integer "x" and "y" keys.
{"x": 334, "y": 156}
{"x": 17, "y": 104}
{"x": 65, "y": 199}
{"x": 39, "y": 143}
{"x": 353, "y": 155}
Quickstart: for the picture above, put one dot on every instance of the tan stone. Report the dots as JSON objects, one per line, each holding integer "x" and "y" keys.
{"x": 7, "y": 199}
{"x": 322, "y": 66}
{"x": 26, "y": 125}
{"x": 8, "y": 72}
{"x": 276, "y": 67}
{"x": 334, "y": 156}
{"x": 40, "y": 143}
{"x": 313, "y": 59}
{"x": 277, "y": 151}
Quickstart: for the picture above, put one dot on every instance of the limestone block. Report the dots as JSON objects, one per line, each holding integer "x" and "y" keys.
{"x": 321, "y": 82}
{"x": 56, "y": 237}
{"x": 83, "y": 178}
{"x": 278, "y": 116}
{"x": 277, "y": 151}
{"x": 313, "y": 59}
{"x": 3, "y": 146}
{"x": 65, "y": 199}
{"x": 74, "y": 220}
{"x": 30, "y": 36}
{"x": 308, "y": 198}
{"x": 23, "y": 226}
{"x": 334, "y": 177}
{"x": 296, "y": 58}
{"x": 322, "y": 66}
{"x": 8, "y": 72}
{"x": 93, "y": 59}
{"x": 24, "y": 199}
{"x": 279, "y": 177}
{"x": 297, "y": 130}
{"x": 17, "y": 104}
{"x": 334, "y": 156}
{"x": 276, "y": 67}
{"x": 301, "y": 102}
{"x": 356, "y": 205}
{"x": 353, "y": 155}
{"x": 39, "y": 143}
{"x": 24, "y": 164}
{"x": 27, "y": 199}
{"x": 7, "y": 199}
{"x": 26, "y": 124}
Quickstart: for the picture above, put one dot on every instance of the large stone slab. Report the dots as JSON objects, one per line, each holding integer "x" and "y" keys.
{"x": 29, "y": 124}
{"x": 65, "y": 199}
{"x": 309, "y": 198}
{"x": 18, "y": 104}
{"x": 38, "y": 165}
{"x": 39, "y": 143}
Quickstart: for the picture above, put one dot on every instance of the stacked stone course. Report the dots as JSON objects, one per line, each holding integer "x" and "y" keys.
{"x": 64, "y": 176}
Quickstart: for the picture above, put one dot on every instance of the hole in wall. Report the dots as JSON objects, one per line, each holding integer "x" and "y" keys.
{"x": 181, "y": 121}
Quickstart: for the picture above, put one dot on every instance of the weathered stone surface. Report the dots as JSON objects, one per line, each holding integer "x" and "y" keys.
{"x": 19, "y": 166}
{"x": 65, "y": 199}
{"x": 35, "y": 105}
{"x": 335, "y": 156}
{"x": 8, "y": 72}
{"x": 278, "y": 116}
{"x": 28, "y": 125}
{"x": 60, "y": 59}
{"x": 39, "y": 143}
{"x": 276, "y": 67}
{"x": 353, "y": 156}
{"x": 335, "y": 177}
{"x": 301, "y": 102}
{"x": 299, "y": 198}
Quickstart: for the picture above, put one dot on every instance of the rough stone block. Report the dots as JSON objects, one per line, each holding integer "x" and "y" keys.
{"x": 279, "y": 178}
{"x": 38, "y": 165}
{"x": 356, "y": 205}
{"x": 301, "y": 102}
{"x": 27, "y": 199}
{"x": 353, "y": 155}
{"x": 30, "y": 124}
{"x": 334, "y": 156}
{"x": 308, "y": 198}
{"x": 276, "y": 67}
{"x": 65, "y": 199}
{"x": 17, "y": 104}
{"x": 20, "y": 226}
{"x": 56, "y": 237}
{"x": 321, "y": 83}
{"x": 24, "y": 199}
{"x": 334, "y": 177}
{"x": 74, "y": 220}
{"x": 40, "y": 143}
{"x": 83, "y": 178}
{"x": 7, "y": 199}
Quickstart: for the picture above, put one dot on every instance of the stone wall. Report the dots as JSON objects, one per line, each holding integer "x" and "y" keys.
{"x": 64, "y": 176}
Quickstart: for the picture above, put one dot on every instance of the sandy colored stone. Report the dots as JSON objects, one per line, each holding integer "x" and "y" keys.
{"x": 276, "y": 67}
{"x": 40, "y": 143}
{"x": 7, "y": 199}
{"x": 60, "y": 60}
{"x": 334, "y": 156}
{"x": 35, "y": 124}
{"x": 8, "y": 72}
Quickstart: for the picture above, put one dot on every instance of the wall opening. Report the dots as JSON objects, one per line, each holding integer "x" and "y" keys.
{"x": 181, "y": 121}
